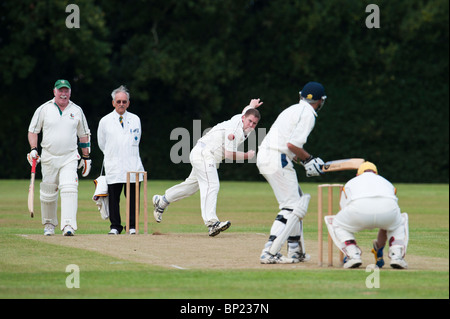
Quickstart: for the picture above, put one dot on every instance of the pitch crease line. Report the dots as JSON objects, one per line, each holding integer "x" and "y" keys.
{"x": 178, "y": 267}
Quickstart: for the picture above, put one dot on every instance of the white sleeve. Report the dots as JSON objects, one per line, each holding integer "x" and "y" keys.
{"x": 101, "y": 139}
{"x": 83, "y": 128}
{"x": 230, "y": 143}
{"x": 233, "y": 135}
{"x": 302, "y": 130}
{"x": 248, "y": 107}
{"x": 344, "y": 200}
{"x": 37, "y": 121}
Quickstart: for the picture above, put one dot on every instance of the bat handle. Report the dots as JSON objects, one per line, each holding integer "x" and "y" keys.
{"x": 33, "y": 166}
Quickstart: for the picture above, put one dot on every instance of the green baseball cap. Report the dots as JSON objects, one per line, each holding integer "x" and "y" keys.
{"x": 62, "y": 84}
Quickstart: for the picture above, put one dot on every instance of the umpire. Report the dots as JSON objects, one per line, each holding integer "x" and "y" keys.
{"x": 119, "y": 134}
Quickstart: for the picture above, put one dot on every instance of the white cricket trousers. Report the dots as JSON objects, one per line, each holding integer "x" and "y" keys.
{"x": 281, "y": 176}
{"x": 279, "y": 172}
{"x": 59, "y": 173}
{"x": 203, "y": 177}
{"x": 369, "y": 213}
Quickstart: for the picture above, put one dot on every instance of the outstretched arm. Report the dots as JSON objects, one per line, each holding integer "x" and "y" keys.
{"x": 239, "y": 155}
{"x": 254, "y": 103}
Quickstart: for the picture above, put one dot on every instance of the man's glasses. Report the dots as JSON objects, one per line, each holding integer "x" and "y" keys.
{"x": 122, "y": 102}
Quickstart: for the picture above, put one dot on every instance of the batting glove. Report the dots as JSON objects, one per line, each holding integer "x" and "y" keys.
{"x": 313, "y": 166}
{"x": 85, "y": 165}
{"x": 33, "y": 155}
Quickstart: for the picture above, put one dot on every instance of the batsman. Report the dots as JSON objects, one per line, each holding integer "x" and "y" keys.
{"x": 62, "y": 124}
{"x": 281, "y": 147}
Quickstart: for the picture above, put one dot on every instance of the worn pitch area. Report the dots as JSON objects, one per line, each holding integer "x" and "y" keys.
{"x": 199, "y": 251}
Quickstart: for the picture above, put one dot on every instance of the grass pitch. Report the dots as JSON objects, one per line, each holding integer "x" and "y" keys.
{"x": 34, "y": 269}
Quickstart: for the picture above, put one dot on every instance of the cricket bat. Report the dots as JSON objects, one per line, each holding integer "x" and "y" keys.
{"x": 31, "y": 189}
{"x": 342, "y": 165}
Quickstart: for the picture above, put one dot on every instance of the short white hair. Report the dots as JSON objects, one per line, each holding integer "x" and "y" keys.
{"x": 120, "y": 89}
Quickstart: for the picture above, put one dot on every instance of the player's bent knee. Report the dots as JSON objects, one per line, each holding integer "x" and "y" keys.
{"x": 302, "y": 206}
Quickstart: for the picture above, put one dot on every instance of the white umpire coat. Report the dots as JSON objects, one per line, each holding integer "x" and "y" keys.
{"x": 120, "y": 146}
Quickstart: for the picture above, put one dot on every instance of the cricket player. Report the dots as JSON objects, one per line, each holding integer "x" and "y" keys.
{"x": 219, "y": 143}
{"x": 369, "y": 201}
{"x": 119, "y": 134}
{"x": 281, "y": 147}
{"x": 62, "y": 123}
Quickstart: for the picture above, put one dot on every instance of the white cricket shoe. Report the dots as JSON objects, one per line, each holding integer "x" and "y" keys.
{"x": 132, "y": 231}
{"x": 268, "y": 258}
{"x": 113, "y": 231}
{"x": 353, "y": 259}
{"x": 300, "y": 256}
{"x": 218, "y": 227}
{"x": 399, "y": 263}
{"x": 158, "y": 211}
{"x": 353, "y": 262}
{"x": 68, "y": 231}
{"x": 49, "y": 230}
{"x": 396, "y": 255}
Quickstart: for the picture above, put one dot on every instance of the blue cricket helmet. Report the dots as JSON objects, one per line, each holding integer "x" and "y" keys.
{"x": 314, "y": 91}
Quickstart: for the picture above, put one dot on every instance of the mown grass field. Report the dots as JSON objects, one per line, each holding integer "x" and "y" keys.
{"x": 33, "y": 269}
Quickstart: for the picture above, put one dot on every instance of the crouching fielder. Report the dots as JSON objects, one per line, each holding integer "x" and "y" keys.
{"x": 369, "y": 201}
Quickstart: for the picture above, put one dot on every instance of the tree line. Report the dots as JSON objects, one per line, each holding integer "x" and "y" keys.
{"x": 184, "y": 60}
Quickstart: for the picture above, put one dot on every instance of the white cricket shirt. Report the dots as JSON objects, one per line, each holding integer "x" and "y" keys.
{"x": 59, "y": 129}
{"x": 367, "y": 185}
{"x": 293, "y": 125}
{"x": 227, "y": 135}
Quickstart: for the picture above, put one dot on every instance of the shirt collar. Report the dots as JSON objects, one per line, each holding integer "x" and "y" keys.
{"x": 59, "y": 108}
{"x": 309, "y": 106}
{"x": 117, "y": 115}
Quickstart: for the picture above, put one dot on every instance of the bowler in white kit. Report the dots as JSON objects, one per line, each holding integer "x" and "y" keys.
{"x": 62, "y": 124}
{"x": 219, "y": 143}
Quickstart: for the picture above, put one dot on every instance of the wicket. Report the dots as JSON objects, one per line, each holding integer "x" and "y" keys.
{"x": 320, "y": 221}
{"x": 138, "y": 197}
